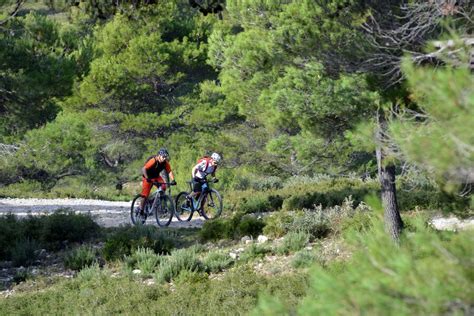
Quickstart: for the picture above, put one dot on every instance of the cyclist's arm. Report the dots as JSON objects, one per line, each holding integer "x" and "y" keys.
{"x": 169, "y": 171}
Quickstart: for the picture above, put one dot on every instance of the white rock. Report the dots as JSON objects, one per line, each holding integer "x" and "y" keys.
{"x": 309, "y": 248}
{"x": 136, "y": 271}
{"x": 245, "y": 239}
{"x": 248, "y": 241}
{"x": 150, "y": 282}
{"x": 452, "y": 223}
{"x": 239, "y": 250}
{"x": 233, "y": 255}
{"x": 262, "y": 239}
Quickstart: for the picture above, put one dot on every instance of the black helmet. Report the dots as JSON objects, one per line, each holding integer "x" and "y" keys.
{"x": 164, "y": 153}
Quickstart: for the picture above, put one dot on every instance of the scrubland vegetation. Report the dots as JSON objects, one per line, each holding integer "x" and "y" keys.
{"x": 344, "y": 126}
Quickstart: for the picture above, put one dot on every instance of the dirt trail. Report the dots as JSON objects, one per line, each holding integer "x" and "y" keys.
{"x": 105, "y": 213}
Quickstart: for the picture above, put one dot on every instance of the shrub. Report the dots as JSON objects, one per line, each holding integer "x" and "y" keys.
{"x": 144, "y": 259}
{"x": 360, "y": 221}
{"x": 24, "y": 252}
{"x": 9, "y": 233}
{"x": 67, "y": 226}
{"x": 216, "y": 229}
{"x": 179, "y": 261}
{"x": 90, "y": 272}
{"x": 312, "y": 222}
{"x": 293, "y": 241}
{"x": 428, "y": 273}
{"x": 250, "y": 226}
{"x": 278, "y": 223}
{"x": 254, "y": 251}
{"x": 254, "y": 204}
{"x": 267, "y": 183}
{"x": 125, "y": 240}
{"x": 217, "y": 261}
{"x": 226, "y": 228}
{"x": 80, "y": 257}
{"x": 303, "y": 259}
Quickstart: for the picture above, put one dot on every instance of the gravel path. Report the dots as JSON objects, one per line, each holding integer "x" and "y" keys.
{"x": 106, "y": 213}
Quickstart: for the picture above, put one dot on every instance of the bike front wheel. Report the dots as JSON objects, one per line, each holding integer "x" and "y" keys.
{"x": 184, "y": 210}
{"x": 164, "y": 211}
{"x": 211, "y": 205}
{"x": 137, "y": 216}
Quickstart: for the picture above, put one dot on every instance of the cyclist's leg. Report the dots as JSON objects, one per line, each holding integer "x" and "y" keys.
{"x": 146, "y": 188}
{"x": 197, "y": 188}
{"x": 162, "y": 181}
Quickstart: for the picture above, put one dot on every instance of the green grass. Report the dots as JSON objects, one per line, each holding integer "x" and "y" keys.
{"x": 94, "y": 291}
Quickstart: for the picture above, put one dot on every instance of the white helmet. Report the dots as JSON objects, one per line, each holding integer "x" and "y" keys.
{"x": 217, "y": 158}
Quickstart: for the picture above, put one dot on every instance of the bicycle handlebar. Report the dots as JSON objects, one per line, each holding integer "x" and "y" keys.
{"x": 160, "y": 183}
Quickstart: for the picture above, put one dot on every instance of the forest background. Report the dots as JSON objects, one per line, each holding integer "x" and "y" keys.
{"x": 315, "y": 106}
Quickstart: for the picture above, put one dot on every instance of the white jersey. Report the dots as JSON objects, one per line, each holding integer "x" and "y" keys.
{"x": 202, "y": 169}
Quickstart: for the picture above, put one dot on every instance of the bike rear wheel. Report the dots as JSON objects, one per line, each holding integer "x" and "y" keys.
{"x": 211, "y": 205}
{"x": 164, "y": 211}
{"x": 138, "y": 217}
{"x": 184, "y": 209}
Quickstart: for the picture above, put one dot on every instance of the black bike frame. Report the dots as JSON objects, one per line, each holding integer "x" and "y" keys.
{"x": 201, "y": 195}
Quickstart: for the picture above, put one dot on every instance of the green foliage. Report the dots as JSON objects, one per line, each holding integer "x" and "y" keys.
{"x": 179, "y": 261}
{"x": 24, "y": 252}
{"x": 445, "y": 96}
{"x": 314, "y": 223}
{"x": 303, "y": 259}
{"x": 293, "y": 241}
{"x": 217, "y": 261}
{"x": 67, "y": 226}
{"x": 216, "y": 229}
{"x": 429, "y": 273}
{"x": 80, "y": 257}
{"x": 277, "y": 224}
{"x": 253, "y": 252}
{"x": 126, "y": 240}
{"x": 19, "y": 238}
{"x": 144, "y": 259}
{"x": 89, "y": 273}
{"x": 37, "y": 67}
{"x": 250, "y": 226}
{"x": 227, "y": 228}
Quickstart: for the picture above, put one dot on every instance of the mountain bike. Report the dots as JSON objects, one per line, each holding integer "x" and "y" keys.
{"x": 158, "y": 203}
{"x": 208, "y": 204}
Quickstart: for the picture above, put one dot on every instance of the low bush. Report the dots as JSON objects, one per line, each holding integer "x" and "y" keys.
{"x": 216, "y": 229}
{"x": 254, "y": 251}
{"x": 80, "y": 257}
{"x": 234, "y": 227}
{"x": 125, "y": 240}
{"x": 304, "y": 259}
{"x": 180, "y": 260}
{"x": 250, "y": 226}
{"x": 266, "y": 183}
{"x": 67, "y": 226}
{"x": 217, "y": 261}
{"x": 94, "y": 291}
{"x": 277, "y": 224}
{"x": 293, "y": 241}
{"x": 24, "y": 252}
{"x": 428, "y": 273}
{"x": 90, "y": 272}
{"x": 315, "y": 223}
{"x": 20, "y": 237}
{"x": 144, "y": 259}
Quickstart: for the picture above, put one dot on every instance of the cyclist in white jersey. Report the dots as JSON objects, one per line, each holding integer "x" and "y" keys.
{"x": 205, "y": 166}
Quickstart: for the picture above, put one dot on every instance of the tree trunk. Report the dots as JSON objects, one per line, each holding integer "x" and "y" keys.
{"x": 386, "y": 171}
